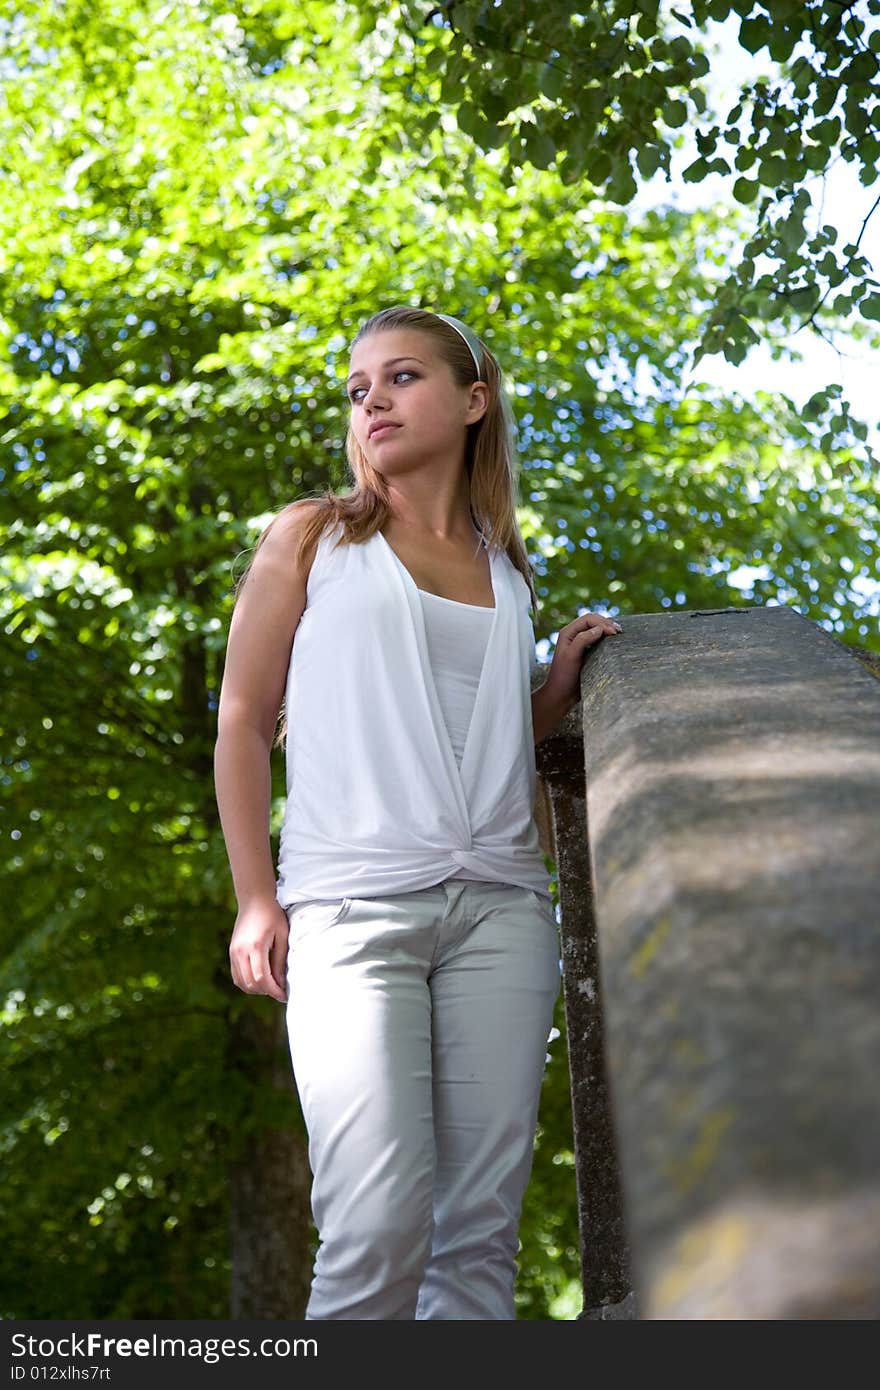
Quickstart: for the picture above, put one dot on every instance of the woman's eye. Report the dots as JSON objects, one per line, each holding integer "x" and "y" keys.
{"x": 356, "y": 389}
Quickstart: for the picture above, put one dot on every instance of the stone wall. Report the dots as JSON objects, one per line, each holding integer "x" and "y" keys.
{"x": 714, "y": 809}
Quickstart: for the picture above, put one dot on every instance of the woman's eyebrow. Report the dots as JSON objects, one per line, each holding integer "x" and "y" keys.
{"x": 390, "y": 363}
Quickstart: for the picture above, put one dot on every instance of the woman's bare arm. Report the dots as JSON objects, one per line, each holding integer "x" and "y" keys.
{"x": 261, "y": 634}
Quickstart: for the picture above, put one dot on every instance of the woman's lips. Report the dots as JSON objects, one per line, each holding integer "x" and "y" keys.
{"x": 381, "y": 432}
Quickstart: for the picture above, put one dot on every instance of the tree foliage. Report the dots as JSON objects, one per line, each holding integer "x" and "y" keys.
{"x": 606, "y": 92}
{"x": 198, "y": 206}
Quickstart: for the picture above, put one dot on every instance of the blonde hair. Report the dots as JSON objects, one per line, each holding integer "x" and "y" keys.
{"x": 491, "y": 461}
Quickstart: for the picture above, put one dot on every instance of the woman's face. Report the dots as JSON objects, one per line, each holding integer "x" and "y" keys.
{"x": 395, "y": 377}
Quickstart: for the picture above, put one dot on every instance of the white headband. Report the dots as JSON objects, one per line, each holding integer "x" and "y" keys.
{"x": 469, "y": 336}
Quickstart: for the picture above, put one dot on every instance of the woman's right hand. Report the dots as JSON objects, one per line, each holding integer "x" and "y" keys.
{"x": 258, "y": 949}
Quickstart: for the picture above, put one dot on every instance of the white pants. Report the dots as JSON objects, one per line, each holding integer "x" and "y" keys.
{"x": 418, "y": 1027}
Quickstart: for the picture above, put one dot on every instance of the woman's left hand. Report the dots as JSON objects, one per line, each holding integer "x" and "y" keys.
{"x": 571, "y": 645}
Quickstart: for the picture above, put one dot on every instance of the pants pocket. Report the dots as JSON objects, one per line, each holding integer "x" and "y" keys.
{"x": 316, "y": 914}
{"x": 546, "y": 905}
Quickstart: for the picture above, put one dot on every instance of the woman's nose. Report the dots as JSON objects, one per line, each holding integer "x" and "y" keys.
{"x": 374, "y": 397}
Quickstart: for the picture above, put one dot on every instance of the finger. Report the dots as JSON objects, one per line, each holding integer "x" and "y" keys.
{"x": 589, "y": 636}
{"x": 600, "y": 625}
{"x": 248, "y": 969}
{"x": 278, "y": 965}
{"x": 264, "y": 980}
{"x": 259, "y": 963}
{"x": 248, "y": 984}
{"x": 599, "y": 620}
{"x": 236, "y": 972}
{"x": 587, "y": 622}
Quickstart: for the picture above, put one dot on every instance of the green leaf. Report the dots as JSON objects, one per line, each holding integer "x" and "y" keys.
{"x": 621, "y": 187}
{"x": 492, "y": 137}
{"x": 539, "y": 147}
{"x": 862, "y": 69}
{"x": 649, "y": 160}
{"x": 553, "y": 80}
{"x": 775, "y": 170}
{"x": 803, "y": 298}
{"x": 781, "y": 43}
{"x": 469, "y": 119}
{"x": 497, "y": 103}
{"x": 791, "y": 232}
{"x": 746, "y": 190}
{"x": 815, "y": 157}
{"x": 827, "y": 91}
{"x": 755, "y": 33}
{"x": 696, "y": 171}
{"x": 735, "y": 352}
{"x": 674, "y": 113}
{"x": 599, "y": 167}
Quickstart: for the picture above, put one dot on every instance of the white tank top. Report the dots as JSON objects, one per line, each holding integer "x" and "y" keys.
{"x": 457, "y": 635}
{"x": 378, "y": 799}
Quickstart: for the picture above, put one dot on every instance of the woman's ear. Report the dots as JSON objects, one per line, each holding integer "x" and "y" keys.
{"x": 479, "y": 401}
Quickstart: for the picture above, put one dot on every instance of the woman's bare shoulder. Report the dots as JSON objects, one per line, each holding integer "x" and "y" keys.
{"x": 295, "y": 515}
{"x": 287, "y": 527}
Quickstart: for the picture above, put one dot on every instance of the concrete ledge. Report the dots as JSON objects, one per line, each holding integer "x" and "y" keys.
{"x": 733, "y": 805}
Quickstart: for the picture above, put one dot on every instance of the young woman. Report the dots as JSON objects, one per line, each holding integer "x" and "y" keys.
{"x": 410, "y": 931}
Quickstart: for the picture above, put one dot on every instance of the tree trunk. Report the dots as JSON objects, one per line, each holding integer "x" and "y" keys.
{"x": 271, "y": 1222}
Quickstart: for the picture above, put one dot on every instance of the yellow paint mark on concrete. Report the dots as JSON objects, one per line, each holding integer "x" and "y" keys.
{"x": 643, "y": 956}
{"x": 709, "y": 1252}
{"x": 702, "y": 1154}
{"x": 682, "y": 1104}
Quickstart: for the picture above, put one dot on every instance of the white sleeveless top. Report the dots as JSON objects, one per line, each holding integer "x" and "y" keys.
{"x": 378, "y": 800}
{"x": 457, "y": 635}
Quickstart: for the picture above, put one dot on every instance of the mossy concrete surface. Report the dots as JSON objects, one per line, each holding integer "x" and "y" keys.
{"x": 732, "y": 768}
